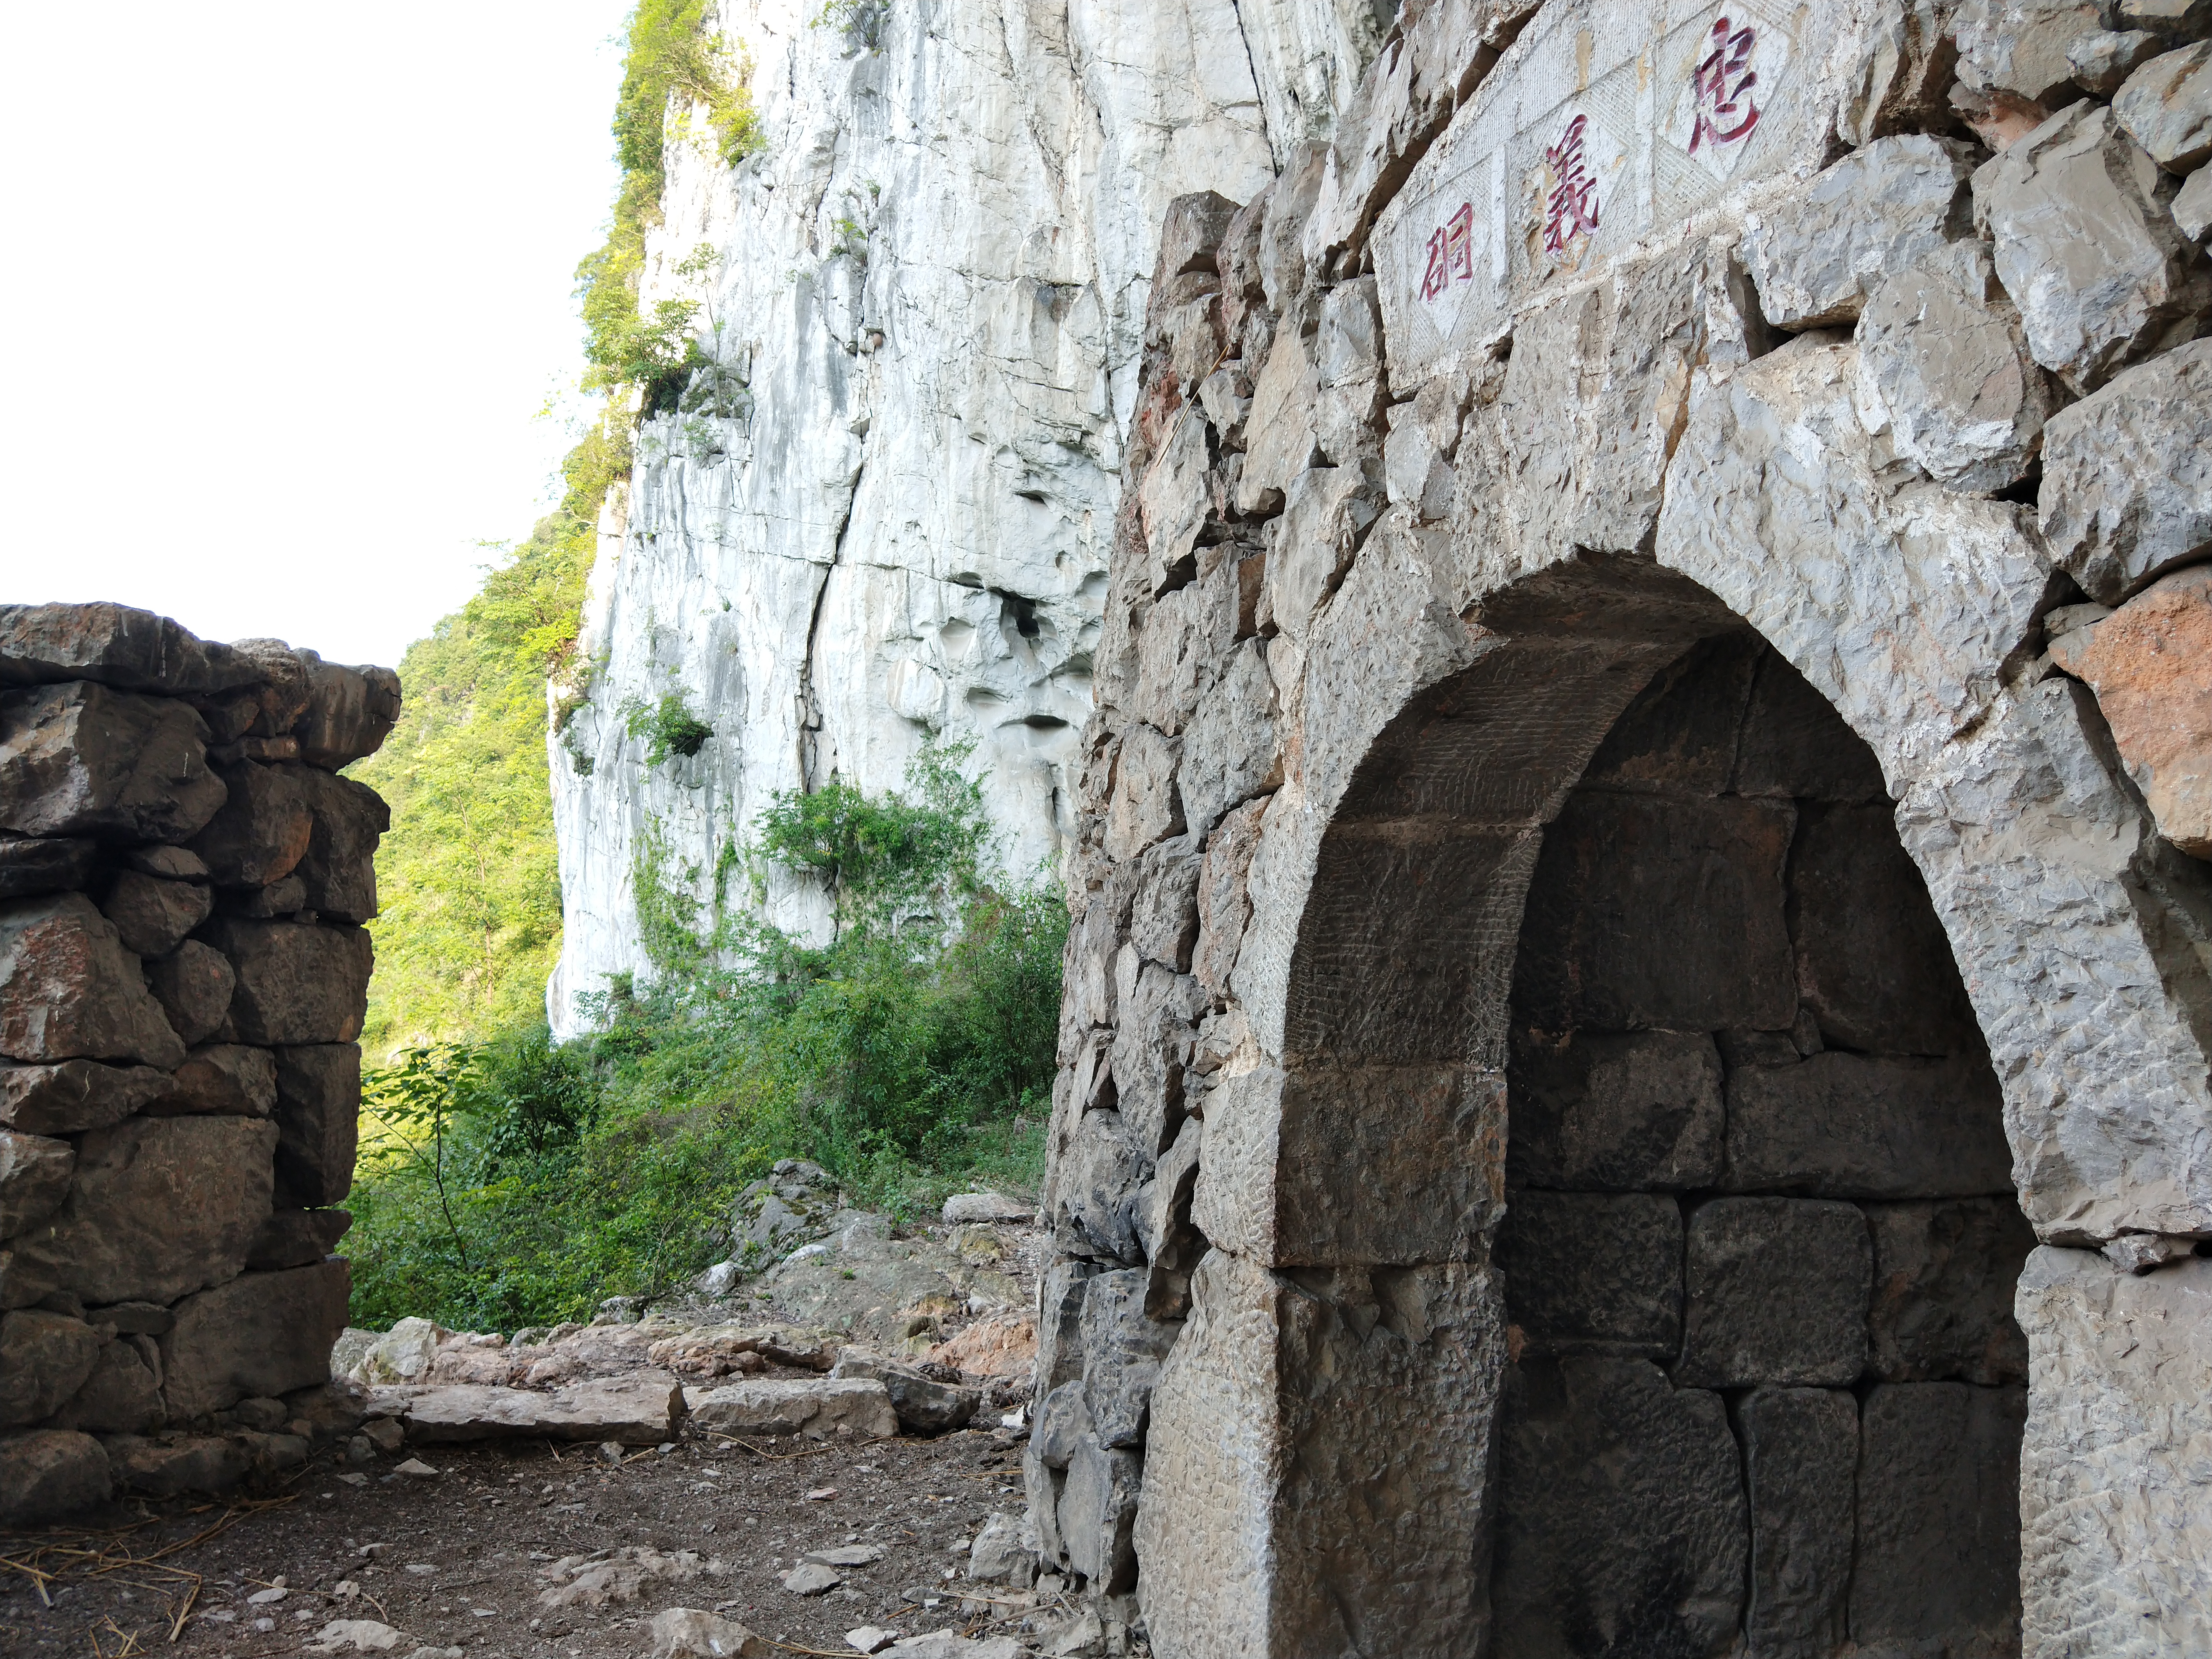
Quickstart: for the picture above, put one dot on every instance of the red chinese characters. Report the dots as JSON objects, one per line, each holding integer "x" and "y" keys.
{"x": 1721, "y": 85}
{"x": 1451, "y": 253}
{"x": 1572, "y": 208}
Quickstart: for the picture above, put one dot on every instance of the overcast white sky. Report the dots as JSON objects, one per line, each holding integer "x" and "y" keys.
{"x": 283, "y": 286}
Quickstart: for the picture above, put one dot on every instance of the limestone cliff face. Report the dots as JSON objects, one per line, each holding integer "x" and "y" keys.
{"x": 885, "y": 514}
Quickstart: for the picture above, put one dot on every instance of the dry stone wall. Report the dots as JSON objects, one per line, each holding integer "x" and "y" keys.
{"x": 1839, "y": 364}
{"x": 184, "y": 875}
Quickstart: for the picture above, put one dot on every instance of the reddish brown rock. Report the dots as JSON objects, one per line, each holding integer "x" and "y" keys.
{"x": 153, "y": 916}
{"x": 194, "y": 987}
{"x": 82, "y": 760}
{"x": 75, "y": 1095}
{"x": 263, "y": 829}
{"x": 296, "y": 984}
{"x": 115, "y": 644}
{"x": 225, "y": 1076}
{"x": 2150, "y": 665}
{"x": 69, "y": 991}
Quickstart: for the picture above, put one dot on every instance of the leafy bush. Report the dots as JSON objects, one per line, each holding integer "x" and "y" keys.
{"x": 669, "y": 726}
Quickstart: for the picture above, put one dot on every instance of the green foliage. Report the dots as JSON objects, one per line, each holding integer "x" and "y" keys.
{"x": 522, "y": 1181}
{"x": 669, "y": 726}
{"x": 862, "y": 21}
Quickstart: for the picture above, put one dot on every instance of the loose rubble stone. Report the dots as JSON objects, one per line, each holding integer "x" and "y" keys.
{"x": 69, "y": 991}
{"x": 1944, "y": 1274}
{"x": 1591, "y": 1273}
{"x": 296, "y": 984}
{"x": 45, "y": 1357}
{"x": 74, "y": 1096}
{"x": 2143, "y": 1252}
{"x": 317, "y": 1121}
{"x": 1586, "y": 1441}
{"x": 2167, "y": 107}
{"x": 923, "y": 1405}
{"x": 2086, "y": 247}
{"x": 1944, "y": 363}
{"x": 34, "y": 1178}
{"x": 641, "y": 1409}
{"x": 2127, "y": 492}
{"x": 224, "y": 1077}
{"x": 1854, "y": 1126}
{"x": 194, "y": 987}
{"x": 812, "y": 1578}
{"x": 797, "y": 1406}
{"x": 153, "y": 916}
{"x": 1601, "y": 1113}
{"x": 159, "y": 1208}
{"x": 1004, "y": 1552}
{"x": 694, "y": 1633}
{"x": 1776, "y": 1292}
{"x": 31, "y": 864}
{"x": 79, "y": 760}
{"x": 49, "y": 1473}
{"x": 1817, "y": 259}
{"x": 1801, "y": 1452}
{"x": 2191, "y": 206}
{"x": 1939, "y": 1516}
{"x": 2149, "y": 666}
{"x": 262, "y": 1333}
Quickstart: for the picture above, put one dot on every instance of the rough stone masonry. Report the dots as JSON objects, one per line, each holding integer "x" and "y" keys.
{"x": 184, "y": 875}
{"x": 1634, "y": 1060}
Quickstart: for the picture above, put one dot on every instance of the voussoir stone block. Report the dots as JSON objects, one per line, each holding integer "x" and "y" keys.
{"x": 1775, "y": 1291}
{"x": 34, "y": 1178}
{"x": 45, "y": 1357}
{"x": 49, "y": 1473}
{"x": 1816, "y": 259}
{"x": 1801, "y": 1453}
{"x": 297, "y": 983}
{"x": 259, "y": 1335}
{"x": 74, "y": 1095}
{"x": 1945, "y": 1271}
{"x": 80, "y": 760}
{"x": 1856, "y": 1126}
{"x": 1600, "y": 1113}
{"x": 69, "y": 991}
{"x": 1594, "y": 1273}
{"x": 153, "y": 916}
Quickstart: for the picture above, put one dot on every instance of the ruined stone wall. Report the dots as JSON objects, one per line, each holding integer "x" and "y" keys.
{"x": 1601, "y": 336}
{"x": 184, "y": 875}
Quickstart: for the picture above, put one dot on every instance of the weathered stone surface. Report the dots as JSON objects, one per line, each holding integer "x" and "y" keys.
{"x": 643, "y": 1408}
{"x": 2110, "y": 1493}
{"x": 1098, "y": 1515}
{"x": 983, "y": 1207}
{"x": 1854, "y": 1126}
{"x": 1584, "y": 1443}
{"x": 1281, "y": 437}
{"x": 1939, "y": 1517}
{"x": 45, "y": 1357}
{"x": 1944, "y": 364}
{"x": 1944, "y": 1275}
{"x": 1091, "y": 1196}
{"x": 1147, "y": 807}
{"x": 1231, "y": 749}
{"x": 2150, "y": 664}
{"x": 694, "y": 1633}
{"x": 2086, "y": 247}
{"x": 49, "y": 1473}
{"x": 338, "y": 870}
{"x": 1224, "y": 905}
{"x": 31, "y": 864}
{"x": 224, "y": 1077}
{"x": 34, "y": 1178}
{"x": 79, "y": 760}
{"x": 296, "y": 1238}
{"x": 180, "y": 1463}
{"x": 69, "y": 991}
{"x": 115, "y": 644}
{"x": 1063, "y": 1419}
{"x": 153, "y": 916}
{"x": 194, "y": 987}
{"x": 159, "y": 1208}
{"x": 1060, "y": 1324}
{"x": 350, "y": 712}
{"x": 1904, "y": 68}
{"x": 799, "y": 1407}
{"x": 1164, "y": 921}
{"x": 1648, "y": 912}
{"x": 1776, "y": 1292}
{"x": 1157, "y": 1014}
{"x": 1004, "y": 1553}
{"x": 296, "y": 984}
{"x": 2102, "y": 61}
{"x": 2167, "y": 107}
{"x": 2191, "y": 206}
{"x": 1793, "y": 742}
{"x": 318, "y": 1118}
{"x": 2020, "y": 46}
{"x": 1122, "y": 1353}
{"x": 1599, "y": 1113}
{"x": 1801, "y": 1453}
{"x": 1817, "y": 257}
{"x": 922, "y": 1404}
{"x": 263, "y": 829}
{"x": 74, "y": 1096}
{"x": 1679, "y": 735}
{"x": 259, "y": 1335}
{"x": 121, "y": 1394}
{"x": 1591, "y": 1273}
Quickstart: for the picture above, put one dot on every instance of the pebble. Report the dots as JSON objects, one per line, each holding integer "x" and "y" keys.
{"x": 871, "y": 1638}
{"x": 416, "y": 1469}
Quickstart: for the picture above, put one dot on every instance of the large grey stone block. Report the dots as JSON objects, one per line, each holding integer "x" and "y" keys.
{"x": 1600, "y": 1113}
{"x": 223, "y": 1077}
{"x": 1621, "y": 1522}
{"x": 259, "y": 1335}
{"x": 1594, "y": 1273}
{"x": 296, "y": 984}
{"x": 1122, "y": 1349}
{"x": 1945, "y": 1273}
{"x": 1775, "y": 1290}
{"x": 263, "y": 829}
{"x": 318, "y": 1122}
{"x": 1938, "y": 1557}
{"x": 2020, "y": 46}
{"x": 1060, "y": 1323}
{"x": 1801, "y": 1453}
{"x": 69, "y": 991}
{"x": 80, "y": 760}
{"x": 1856, "y": 1126}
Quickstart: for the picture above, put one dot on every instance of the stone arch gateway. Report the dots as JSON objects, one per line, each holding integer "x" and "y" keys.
{"x": 1382, "y": 771}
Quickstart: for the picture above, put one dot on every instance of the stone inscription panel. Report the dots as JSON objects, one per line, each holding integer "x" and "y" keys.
{"x": 1608, "y": 123}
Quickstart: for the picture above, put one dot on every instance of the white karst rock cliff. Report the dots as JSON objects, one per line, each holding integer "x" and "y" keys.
{"x": 885, "y": 514}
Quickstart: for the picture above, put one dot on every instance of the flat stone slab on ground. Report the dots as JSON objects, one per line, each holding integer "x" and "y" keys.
{"x": 640, "y": 1409}
{"x": 794, "y": 1406}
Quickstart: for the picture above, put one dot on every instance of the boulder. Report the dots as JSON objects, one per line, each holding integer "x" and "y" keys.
{"x": 318, "y": 1123}
{"x": 350, "y": 712}
{"x": 1590, "y": 1273}
{"x": 644, "y": 1408}
{"x": 2126, "y": 476}
{"x": 262, "y": 1333}
{"x": 2150, "y": 665}
{"x": 50, "y": 1473}
{"x": 923, "y": 1405}
{"x": 113, "y": 645}
{"x": 1801, "y": 1453}
{"x": 1603, "y": 1112}
{"x": 2166, "y": 106}
{"x": 194, "y": 987}
{"x": 1775, "y": 1292}
{"x": 34, "y": 864}
{"x": 34, "y": 1178}
{"x": 74, "y": 1096}
{"x": 263, "y": 829}
{"x": 80, "y": 760}
{"x": 152, "y": 917}
{"x": 69, "y": 991}
{"x": 297, "y": 983}
{"x": 122, "y": 1395}
{"x": 337, "y": 872}
{"x": 2085, "y": 245}
{"x": 45, "y": 1357}
{"x": 224, "y": 1077}
{"x": 1859, "y": 1125}
{"x": 803, "y": 1405}
{"x": 1944, "y": 1275}
{"x": 1944, "y": 365}
{"x": 295, "y": 1238}
{"x": 159, "y": 1208}
{"x": 1816, "y": 259}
